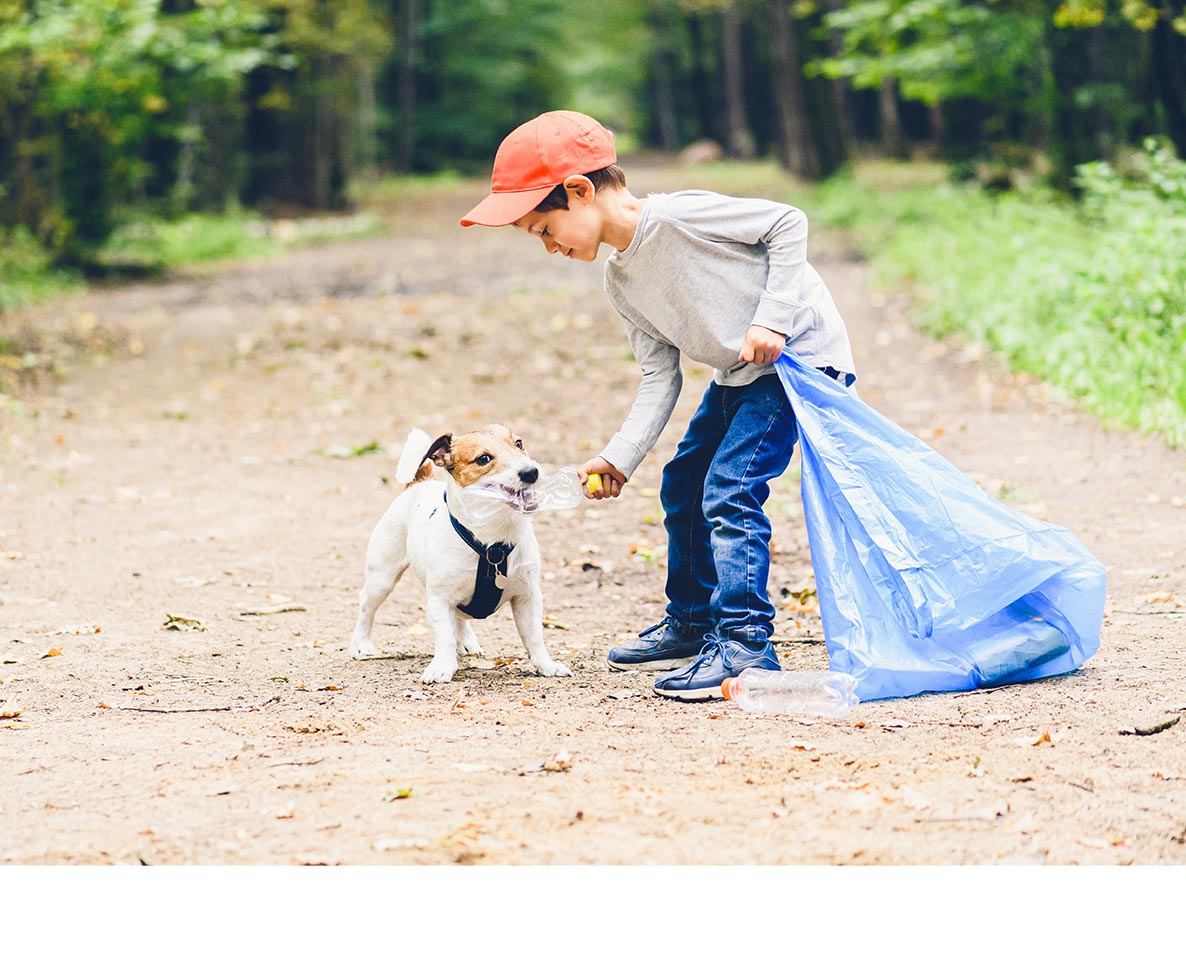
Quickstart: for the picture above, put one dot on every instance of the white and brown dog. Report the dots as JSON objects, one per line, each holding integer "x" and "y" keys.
{"x": 468, "y": 564}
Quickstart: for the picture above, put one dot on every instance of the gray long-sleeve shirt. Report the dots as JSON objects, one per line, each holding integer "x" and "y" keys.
{"x": 701, "y": 269}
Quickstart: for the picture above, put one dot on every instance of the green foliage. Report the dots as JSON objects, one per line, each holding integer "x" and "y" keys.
{"x": 1091, "y": 297}
{"x": 26, "y": 274}
{"x": 92, "y": 82}
{"x": 157, "y": 244}
{"x": 489, "y": 65}
{"x": 940, "y": 49}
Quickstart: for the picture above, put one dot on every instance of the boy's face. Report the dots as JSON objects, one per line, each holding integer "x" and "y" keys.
{"x": 574, "y": 232}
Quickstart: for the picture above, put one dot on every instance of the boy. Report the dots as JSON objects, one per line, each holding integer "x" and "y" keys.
{"x": 726, "y": 282}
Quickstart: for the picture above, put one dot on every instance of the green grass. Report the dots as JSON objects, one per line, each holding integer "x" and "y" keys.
{"x": 148, "y": 245}
{"x": 1089, "y": 296}
{"x": 391, "y": 188}
{"x": 26, "y": 275}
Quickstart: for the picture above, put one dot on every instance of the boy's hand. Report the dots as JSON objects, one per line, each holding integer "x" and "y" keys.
{"x": 612, "y": 480}
{"x": 762, "y": 346}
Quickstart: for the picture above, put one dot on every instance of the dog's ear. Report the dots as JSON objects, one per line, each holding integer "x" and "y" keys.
{"x": 440, "y": 452}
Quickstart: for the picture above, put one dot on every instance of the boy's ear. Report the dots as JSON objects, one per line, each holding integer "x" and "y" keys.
{"x": 579, "y": 189}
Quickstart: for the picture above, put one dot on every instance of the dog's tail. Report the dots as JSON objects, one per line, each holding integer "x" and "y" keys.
{"x": 414, "y": 465}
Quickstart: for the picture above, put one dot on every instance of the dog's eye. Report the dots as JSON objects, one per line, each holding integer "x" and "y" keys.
{"x": 519, "y": 443}
{"x": 483, "y": 460}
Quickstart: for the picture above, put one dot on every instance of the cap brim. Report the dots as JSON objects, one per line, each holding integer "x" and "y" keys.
{"x": 503, "y": 208}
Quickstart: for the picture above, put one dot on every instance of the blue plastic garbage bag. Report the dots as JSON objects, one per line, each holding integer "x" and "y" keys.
{"x": 925, "y": 582}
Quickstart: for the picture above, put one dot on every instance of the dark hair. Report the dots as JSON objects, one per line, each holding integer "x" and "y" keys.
{"x": 611, "y": 175}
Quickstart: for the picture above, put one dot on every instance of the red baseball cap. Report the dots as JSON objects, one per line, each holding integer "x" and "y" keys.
{"x": 535, "y": 158}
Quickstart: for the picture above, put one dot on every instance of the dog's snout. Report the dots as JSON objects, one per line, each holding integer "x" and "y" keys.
{"x": 529, "y": 474}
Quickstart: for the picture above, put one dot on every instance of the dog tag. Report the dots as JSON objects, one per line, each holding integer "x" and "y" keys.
{"x": 500, "y": 581}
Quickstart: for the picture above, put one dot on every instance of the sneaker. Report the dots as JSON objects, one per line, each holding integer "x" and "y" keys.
{"x": 663, "y": 646}
{"x": 702, "y": 678}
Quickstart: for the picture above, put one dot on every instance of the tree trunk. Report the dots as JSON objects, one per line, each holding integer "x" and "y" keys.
{"x": 739, "y": 141}
{"x": 796, "y": 142}
{"x": 935, "y": 112}
{"x": 702, "y": 86}
{"x": 405, "y": 153}
{"x": 365, "y": 141}
{"x": 1169, "y": 77}
{"x": 840, "y": 88}
{"x": 892, "y": 141}
{"x": 662, "y": 66}
{"x": 322, "y": 139}
{"x": 183, "y": 185}
{"x": 1067, "y": 141}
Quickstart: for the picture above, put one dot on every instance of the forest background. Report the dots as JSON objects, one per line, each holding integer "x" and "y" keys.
{"x": 1017, "y": 162}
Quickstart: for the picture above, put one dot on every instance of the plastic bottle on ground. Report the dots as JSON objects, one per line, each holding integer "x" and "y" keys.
{"x": 824, "y": 693}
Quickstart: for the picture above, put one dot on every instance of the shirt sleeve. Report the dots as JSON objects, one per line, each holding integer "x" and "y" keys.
{"x": 658, "y": 392}
{"x": 781, "y": 229}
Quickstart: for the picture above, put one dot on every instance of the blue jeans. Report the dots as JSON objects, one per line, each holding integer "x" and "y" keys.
{"x": 718, "y": 536}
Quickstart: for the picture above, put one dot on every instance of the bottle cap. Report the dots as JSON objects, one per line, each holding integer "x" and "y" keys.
{"x": 727, "y": 688}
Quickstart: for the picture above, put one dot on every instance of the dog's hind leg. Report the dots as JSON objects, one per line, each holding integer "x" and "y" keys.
{"x": 528, "y": 609}
{"x": 467, "y": 641}
{"x": 441, "y": 618}
{"x": 387, "y": 559}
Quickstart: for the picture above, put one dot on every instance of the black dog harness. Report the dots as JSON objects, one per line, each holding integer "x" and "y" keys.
{"x": 492, "y": 573}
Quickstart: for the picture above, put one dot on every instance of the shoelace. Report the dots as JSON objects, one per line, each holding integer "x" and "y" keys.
{"x": 658, "y": 626}
{"x": 712, "y": 646}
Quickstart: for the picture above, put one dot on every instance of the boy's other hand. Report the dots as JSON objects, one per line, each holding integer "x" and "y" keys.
{"x": 762, "y": 346}
{"x": 612, "y": 480}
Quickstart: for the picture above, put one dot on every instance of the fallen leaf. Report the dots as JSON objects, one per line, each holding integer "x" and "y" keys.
{"x": 329, "y": 687}
{"x": 55, "y": 652}
{"x": 105, "y": 707}
{"x": 175, "y": 621}
{"x": 6, "y": 715}
{"x": 1044, "y": 739}
{"x": 273, "y": 610}
{"x": 526, "y": 703}
{"x": 395, "y": 796}
{"x": 1154, "y": 729}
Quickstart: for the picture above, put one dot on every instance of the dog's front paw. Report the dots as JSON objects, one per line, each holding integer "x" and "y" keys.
{"x": 471, "y": 648}
{"x": 438, "y": 673}
{"x": 552, "y": 668}
{"x": 363, "y": 650}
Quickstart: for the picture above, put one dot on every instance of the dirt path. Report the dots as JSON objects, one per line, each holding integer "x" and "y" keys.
{"x": 193, "y": 475}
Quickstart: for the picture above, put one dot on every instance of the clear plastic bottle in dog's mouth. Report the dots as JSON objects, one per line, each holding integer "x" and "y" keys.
{"x": 559, "y": 489}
